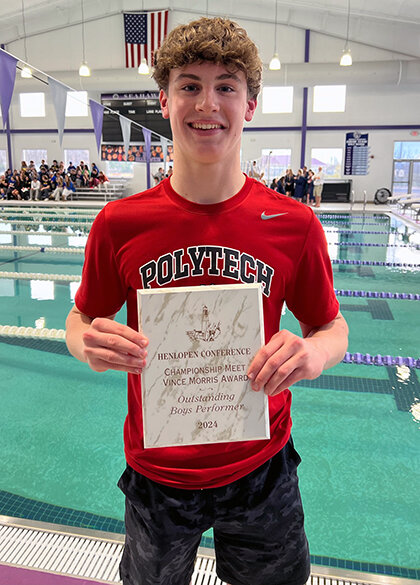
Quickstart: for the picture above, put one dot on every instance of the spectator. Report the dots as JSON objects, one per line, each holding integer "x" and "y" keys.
{"x": 86, "y": 178}
{"x": 300, "y": 184}
{"x": 254, "y": 173}
{"x": 43, "y": 167}
{"x": 103, "y": 180}
{"x": 93, "y": 183}
{"x": 68, "y": 188}
{"x": 318, "y": 186}
{"x": 46, "y": 187}
{"x": 13, "y": 191}
{"x": 95, "y": 171}
{"x": 4, "y": 185}
{"x": 57, "y": 194}
{"x": 289, "y": 183}
{"x": 25, "y": 185}
{"x": 160, "y": 175}
{"x": 280, "y": 186}
{"x": 79, "y": 178}
{"x": 310, "y": 188}
{"x": 35, "y": 188}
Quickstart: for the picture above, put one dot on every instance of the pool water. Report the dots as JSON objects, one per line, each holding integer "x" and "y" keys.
{"x": 356, "y": 427}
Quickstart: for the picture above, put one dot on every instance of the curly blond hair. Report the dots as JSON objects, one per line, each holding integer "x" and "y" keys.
{"x": 217, "y": 40}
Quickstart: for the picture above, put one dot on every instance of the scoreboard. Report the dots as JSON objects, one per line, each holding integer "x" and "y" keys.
{"x": 142, "y": 107}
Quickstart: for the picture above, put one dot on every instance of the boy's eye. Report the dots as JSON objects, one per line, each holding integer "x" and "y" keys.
{"x": 189, "y": 87}
{"x": 226, "y": 88}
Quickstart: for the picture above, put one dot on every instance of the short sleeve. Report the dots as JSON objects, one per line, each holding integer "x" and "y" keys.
{"x": 310, "y": 295}
{"x": 101, "y": 292}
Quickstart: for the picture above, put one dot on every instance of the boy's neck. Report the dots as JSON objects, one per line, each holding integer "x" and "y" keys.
{"x": 207, "y": 183}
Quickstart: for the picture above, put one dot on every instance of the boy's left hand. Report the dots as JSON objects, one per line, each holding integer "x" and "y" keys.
{"x": 284, "y": 360}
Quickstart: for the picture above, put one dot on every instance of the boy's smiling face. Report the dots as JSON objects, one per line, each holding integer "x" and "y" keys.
{"x": 207, "y": 106}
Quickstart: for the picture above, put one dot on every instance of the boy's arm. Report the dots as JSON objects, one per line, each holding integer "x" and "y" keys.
{"x": 288, "y": 358}
{"x": 105, "y": 344}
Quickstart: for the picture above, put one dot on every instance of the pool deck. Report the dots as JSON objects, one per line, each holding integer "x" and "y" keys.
{"x": 37, "y": 553}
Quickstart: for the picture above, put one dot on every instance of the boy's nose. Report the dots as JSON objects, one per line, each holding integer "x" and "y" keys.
{"x": 207, "y": 101}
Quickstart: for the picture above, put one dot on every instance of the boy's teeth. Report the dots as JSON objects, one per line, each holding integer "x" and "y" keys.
{"x": 205, "y": 126}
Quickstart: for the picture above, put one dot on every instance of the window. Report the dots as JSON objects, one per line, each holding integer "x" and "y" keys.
{"x": 275, "y": 162}
{"x": 32, "y": 105}
{"x": 3, "y": 161}
{"x": 330, "y": 159}
{"x": 36, "y": 155}
{"x": 406, "y": 150}
{"x": 75, "y": 156}
{"x": 277, "y": 100}
{"x": 329, "y": 98}
{"x": 77, "y": 104}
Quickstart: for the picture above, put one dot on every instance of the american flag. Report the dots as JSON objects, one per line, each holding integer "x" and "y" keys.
{"x": 144, "y": 33}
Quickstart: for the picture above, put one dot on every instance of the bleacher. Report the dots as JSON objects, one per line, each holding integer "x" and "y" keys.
{"x": 115, "y": 189}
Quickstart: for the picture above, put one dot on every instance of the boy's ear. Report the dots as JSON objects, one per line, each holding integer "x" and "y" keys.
{"x": 250, "y": 109}
{"x": 163, "y": 98}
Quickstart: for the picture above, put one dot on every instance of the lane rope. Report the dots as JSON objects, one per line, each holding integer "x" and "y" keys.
{"x": 380, "y": 360}
{"x": 32, "y": 332}
{"x": 41, "y": 276}
{"x": 376, "y": 263}
{"x": 54, "y": 250}
{"x": 376, "y": 295}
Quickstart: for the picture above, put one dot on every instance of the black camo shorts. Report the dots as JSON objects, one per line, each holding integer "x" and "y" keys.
{"x": 257, "y": 522}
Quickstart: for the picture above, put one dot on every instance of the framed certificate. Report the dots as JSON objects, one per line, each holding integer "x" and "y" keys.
{"x": 194, "y": 387}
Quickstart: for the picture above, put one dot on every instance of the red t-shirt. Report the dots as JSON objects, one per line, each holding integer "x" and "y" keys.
{"x": 156, "y": 239}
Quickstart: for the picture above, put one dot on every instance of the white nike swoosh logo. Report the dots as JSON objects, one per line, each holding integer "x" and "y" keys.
{"x": 264, "y": 216}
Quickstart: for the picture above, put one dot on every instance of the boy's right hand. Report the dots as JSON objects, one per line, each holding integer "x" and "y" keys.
{"x": 108, "y": 345}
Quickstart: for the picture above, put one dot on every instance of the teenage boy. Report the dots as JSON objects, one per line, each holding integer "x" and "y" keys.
{"x": 210, "y": 224}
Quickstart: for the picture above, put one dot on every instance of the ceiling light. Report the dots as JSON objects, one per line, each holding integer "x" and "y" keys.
{"x": 275, "y": 64}
{"x": 143, "y": 67}
{"x": 84, "y": 70}
{"x": 346, "y": 59}
{"x": 26, "y": 72}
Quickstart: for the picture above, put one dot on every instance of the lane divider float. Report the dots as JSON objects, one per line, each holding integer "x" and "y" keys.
{"x": 380, "y": 360}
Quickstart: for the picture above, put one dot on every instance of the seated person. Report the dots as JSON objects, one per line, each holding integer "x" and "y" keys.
{"x": 46, "y": 187}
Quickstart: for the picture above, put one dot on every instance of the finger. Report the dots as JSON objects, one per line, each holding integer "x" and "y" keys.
{"x": 276, "y": 370}
{"x": 270, "y": 363}
{"x": 264, "y": 353}
{"x": 114, "y": 358}
{"x": 109, "y": 326}
{"x": 275, "y": 386}
{"x": 111, "y": 341}
{"x": 99, "y": 365}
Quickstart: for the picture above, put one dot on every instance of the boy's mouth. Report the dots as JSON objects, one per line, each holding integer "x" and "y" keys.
{"x": 205, "y": 126}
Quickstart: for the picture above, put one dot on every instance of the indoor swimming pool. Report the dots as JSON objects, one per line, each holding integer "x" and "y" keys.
{"x": 356, "y": 427}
